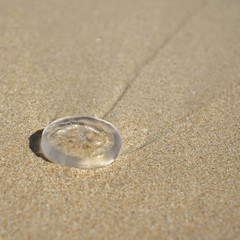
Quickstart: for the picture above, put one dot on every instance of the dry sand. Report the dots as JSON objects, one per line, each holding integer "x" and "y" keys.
{"x": 166, "y": 74}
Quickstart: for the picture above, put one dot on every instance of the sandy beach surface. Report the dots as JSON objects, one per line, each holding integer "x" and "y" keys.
{"x": 166, "y": 74}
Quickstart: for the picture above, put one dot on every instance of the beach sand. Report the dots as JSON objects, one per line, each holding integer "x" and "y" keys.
{"x": 166, "y": 74}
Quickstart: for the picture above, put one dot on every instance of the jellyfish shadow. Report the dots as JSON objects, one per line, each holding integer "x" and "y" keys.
{"x": 34, "y": 144}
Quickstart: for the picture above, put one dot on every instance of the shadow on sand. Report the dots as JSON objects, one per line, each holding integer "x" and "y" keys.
{"x": 34, "y": 144}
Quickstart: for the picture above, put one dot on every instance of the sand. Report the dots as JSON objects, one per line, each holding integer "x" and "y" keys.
{"x": 166, "y": 74}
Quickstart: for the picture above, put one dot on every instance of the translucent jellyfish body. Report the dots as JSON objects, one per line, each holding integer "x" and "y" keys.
{"x": 81, "y": 142}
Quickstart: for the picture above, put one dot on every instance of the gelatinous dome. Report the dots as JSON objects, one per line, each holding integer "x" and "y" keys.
{"x": 81, "y": 142}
